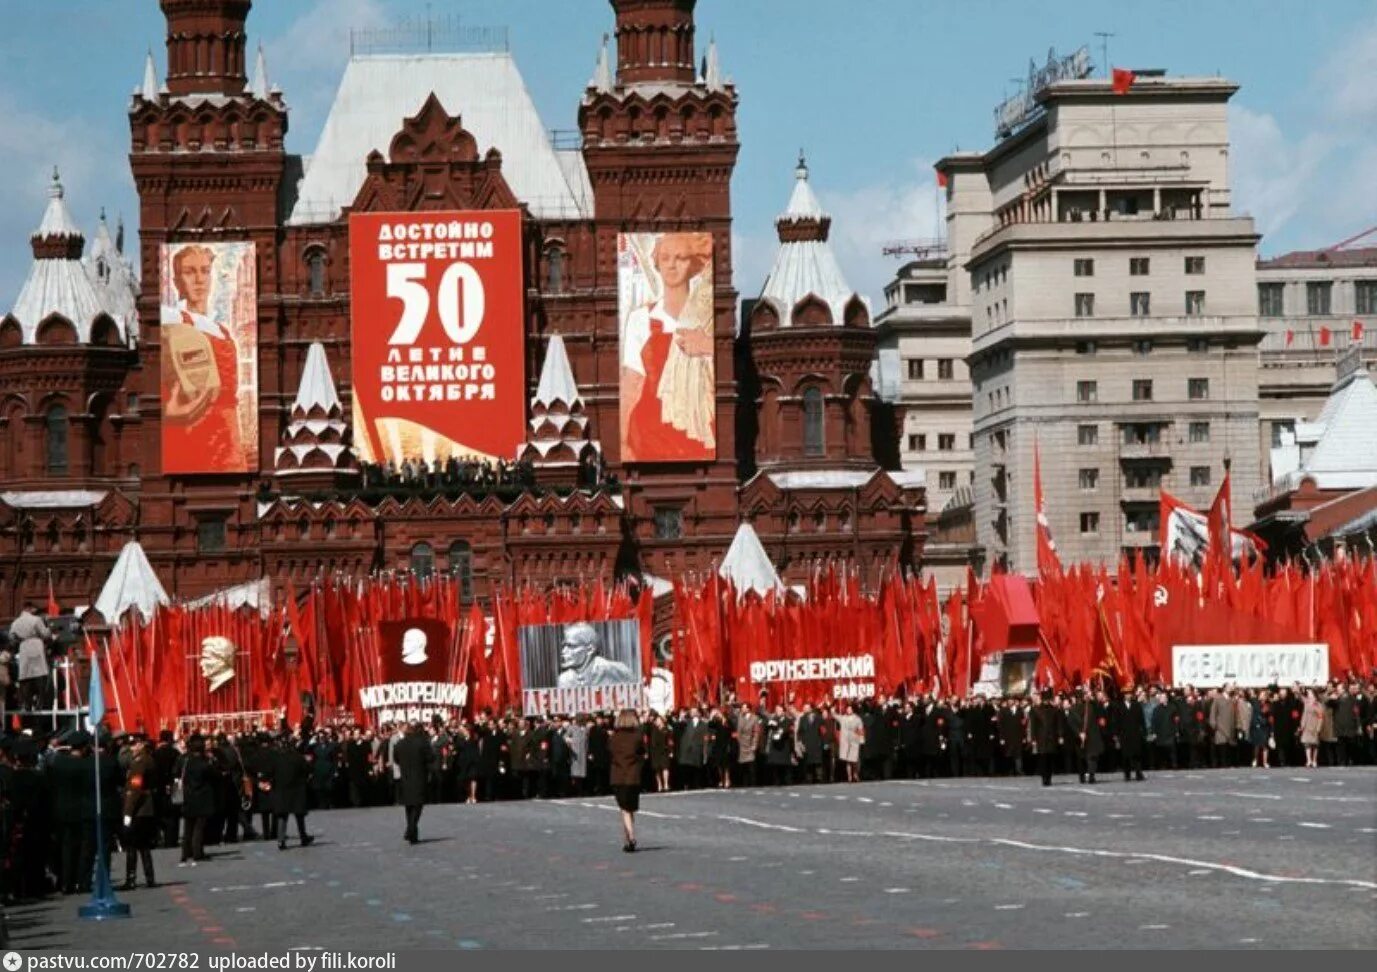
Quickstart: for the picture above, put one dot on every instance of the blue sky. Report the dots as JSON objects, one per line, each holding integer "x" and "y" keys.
{"x": 873, "y": 90}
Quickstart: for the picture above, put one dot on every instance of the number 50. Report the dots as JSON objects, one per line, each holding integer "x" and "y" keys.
{"x": 459, "y": 298}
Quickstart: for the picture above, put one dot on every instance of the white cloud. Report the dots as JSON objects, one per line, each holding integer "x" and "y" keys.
{"x": 1312, "y": 185}
{"x": 865, "y": 219}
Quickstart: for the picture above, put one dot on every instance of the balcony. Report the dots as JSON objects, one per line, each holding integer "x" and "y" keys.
{"x": 1139, "y": 495}
{"x": 1160, "y": 449}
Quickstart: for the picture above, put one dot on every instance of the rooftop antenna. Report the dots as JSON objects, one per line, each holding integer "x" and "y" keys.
{"x": 1104, "y": 36}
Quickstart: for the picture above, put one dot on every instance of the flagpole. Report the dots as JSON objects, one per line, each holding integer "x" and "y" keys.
{"x": 103, "y": 905}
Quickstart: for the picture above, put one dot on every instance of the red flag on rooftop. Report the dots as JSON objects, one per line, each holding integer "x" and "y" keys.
{"x": 1122, "y": 80}
{"x": 941, "y": 179}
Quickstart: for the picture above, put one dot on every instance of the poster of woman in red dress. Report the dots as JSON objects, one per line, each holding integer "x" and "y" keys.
{"x": 209, "y": 358}
{"x": 668, "y": 373}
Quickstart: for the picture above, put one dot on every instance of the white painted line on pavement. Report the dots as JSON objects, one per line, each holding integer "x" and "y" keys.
{"x": 783, "y": 828}
{"x": 592, "y": 921}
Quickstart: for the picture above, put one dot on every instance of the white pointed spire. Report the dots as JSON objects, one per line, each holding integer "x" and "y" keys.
{"x": 556, "y": 376}
{"x": 601, "y": 81}
{"x": 712, "y": 68}
{"x": 802, "y": 203}
{"x": 149, "y": 89}
{"x": 317, "y": 388}
{"x": 57, "y": 220}
{"x": 258, "y": 84}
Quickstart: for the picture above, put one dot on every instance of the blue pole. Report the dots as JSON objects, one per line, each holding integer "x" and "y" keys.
{"x": 103, "y": 905}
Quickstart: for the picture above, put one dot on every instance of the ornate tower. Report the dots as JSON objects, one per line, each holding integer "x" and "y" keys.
{"x": 811, "y": 344}
{"x": 660, "y": 145}
{"x": 206, "y": 46}
{"x": 208, "y": 162}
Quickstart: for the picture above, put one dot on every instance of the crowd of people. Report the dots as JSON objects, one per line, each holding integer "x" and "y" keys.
{"x": 469, "y": 475}
{"x": 202, "y": 790}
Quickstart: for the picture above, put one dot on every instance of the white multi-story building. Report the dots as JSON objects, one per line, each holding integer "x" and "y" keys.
{"x": 1113, "y": 302}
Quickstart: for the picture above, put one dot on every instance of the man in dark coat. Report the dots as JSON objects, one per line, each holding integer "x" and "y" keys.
{"x": 1164, "y": 730}
{"x": 74, "y": 810}
{"x": 810, "y": 741}
{"x": 1127, "y": 723}
{"x": 165, "y": 757}
{"x": 416, "y": 759}
{"x": 692, "y": 751}
{"x": 1046, "y": 728}
{"x": 1011, "y": 730}
{"x": 1089, "y": 720}
{"x": 289, "y": 777}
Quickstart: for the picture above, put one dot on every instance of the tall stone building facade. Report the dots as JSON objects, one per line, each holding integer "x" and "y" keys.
{"x": 1112, "y": 290}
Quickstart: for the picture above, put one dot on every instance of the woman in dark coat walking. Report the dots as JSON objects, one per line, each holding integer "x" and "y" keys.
{"x": 661, "y": 752}
{"x": 199, "y": 782}
{"x": 415, "y": 758}
{"x": 628, "y": 751}
{"x": 288, "y": 776}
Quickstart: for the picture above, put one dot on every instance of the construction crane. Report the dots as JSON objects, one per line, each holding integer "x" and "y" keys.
{"x": 928, "y": 249}
{"x": 1343, "y": 244}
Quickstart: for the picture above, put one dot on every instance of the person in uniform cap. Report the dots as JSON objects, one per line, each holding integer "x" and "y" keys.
{"x": 415, "y": 758}
{"x": 74, "y": 809}
{"x": 1046, "y": 728}
{"x": 140, "y": 814}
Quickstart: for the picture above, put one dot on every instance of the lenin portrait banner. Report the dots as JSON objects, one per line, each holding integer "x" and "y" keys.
{"x": 583, "y": 666}
{"x": 668, "y": 372}
{"x": 208, "y": 293}
{"x": 417, "y": 673}
{"x": 437, "y": 335}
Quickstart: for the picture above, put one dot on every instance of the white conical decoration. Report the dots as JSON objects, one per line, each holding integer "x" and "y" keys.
{"x": 601, "y": 81}
{"x": 149, "y": 89}
{"x": 712, "y": 68}
{"x": 258, "y": 84}
{"x": 556, "y": 376}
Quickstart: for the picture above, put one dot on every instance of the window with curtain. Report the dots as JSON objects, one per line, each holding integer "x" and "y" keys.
{"x": 315, "y": 272}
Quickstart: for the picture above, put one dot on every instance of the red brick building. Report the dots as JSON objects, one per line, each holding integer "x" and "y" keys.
{"x": 801, "y": 443}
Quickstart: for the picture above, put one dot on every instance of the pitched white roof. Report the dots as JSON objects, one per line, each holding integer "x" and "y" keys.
{"x": 556, "y": 376}
{"x": 57, "y": 285}
{"x": 317, "y": 384}
{"x": 805, "y": 266}
{"x": 485, "y": 90}
{"x": 1342, "y": 456}
{"x": 132, "y": 584}
{"x": 820, "y": 478}
{"x": 601, "y": 81}
{"x": 747, "y": 565}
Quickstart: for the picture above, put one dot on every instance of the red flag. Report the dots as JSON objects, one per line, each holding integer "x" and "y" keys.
{"x": 1122, "y": 80}
{"x": 941, "y": 179}
{"x": 1324, "y": 337}
{"x": 1357, "y": 331}
{"x": 1290, "y": 337}
{"x": 1048, "y": 561}
{"x": 53, "y": 609}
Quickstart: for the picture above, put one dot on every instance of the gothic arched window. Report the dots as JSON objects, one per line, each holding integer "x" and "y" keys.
{"x": 461, "y": 566}
{"x": 57, "y": 441}
{"x": 554, "y": 268}
{"x": 813, "y": 441}
{"x": 315, "y": 272}
{"x": 423, "y": 560}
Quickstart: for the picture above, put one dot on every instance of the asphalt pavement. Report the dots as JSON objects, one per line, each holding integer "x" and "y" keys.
{"x": 1217, "y": 859}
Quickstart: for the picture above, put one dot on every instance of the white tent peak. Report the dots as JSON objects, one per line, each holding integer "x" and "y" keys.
{"x": 556, "y": 376}
{"x": 747, "y": 565}
{"x": 131, "y": 584}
